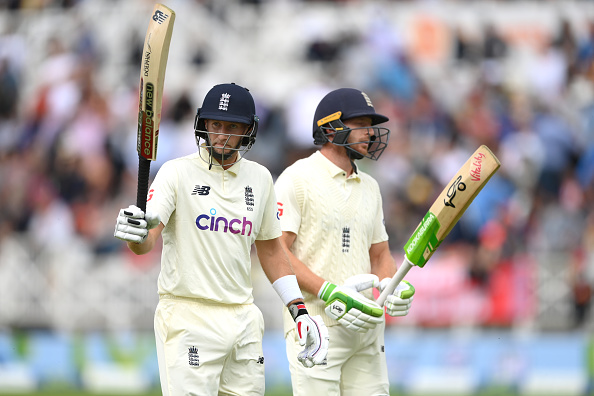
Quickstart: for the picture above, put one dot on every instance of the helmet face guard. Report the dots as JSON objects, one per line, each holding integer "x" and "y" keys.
{"x": 344, "y": 104}
{"x": 377, "y": 143}
{"x": 245, "y": 144}
{"x": 231, "y": 103}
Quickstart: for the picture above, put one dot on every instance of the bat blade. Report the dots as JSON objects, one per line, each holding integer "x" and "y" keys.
{"x": 445, "y": 212}
{"x": 152, "y": 77}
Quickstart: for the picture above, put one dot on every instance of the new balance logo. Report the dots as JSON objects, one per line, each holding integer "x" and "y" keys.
{"x": 224, "y": 101}
{"x": 160, "y": 17}
{"x": 193, "y": 358}
{"x": 201, "y": 190}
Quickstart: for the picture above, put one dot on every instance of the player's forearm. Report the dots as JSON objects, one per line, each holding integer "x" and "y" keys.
{"x": 140, "y": 248}
{"x": 273, "y": 259}
{"x": 382, "y": 262}
{"x": 149, "y": 242}
{"x": 308, "y": 281}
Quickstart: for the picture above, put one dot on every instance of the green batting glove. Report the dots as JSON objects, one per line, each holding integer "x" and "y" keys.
{"x": 349, "y": 307}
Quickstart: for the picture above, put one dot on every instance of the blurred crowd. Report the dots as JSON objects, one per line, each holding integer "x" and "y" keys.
{"x": 67, "y": 145}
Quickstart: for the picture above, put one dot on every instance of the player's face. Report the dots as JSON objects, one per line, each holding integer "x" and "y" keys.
{"x": 359, "y": 138}
{"x": 224, "y": 135}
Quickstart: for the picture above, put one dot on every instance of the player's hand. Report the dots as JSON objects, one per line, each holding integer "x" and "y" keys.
{"x": 398, "y": 303}
{"x": 349, "y": 307}
{"x": 132, "y": 224}
{"x": 312, "y": 333}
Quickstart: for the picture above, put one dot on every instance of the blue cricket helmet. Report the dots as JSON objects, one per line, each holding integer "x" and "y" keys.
{"x": 228, "y": 102}
{"x": 343, "y": 104}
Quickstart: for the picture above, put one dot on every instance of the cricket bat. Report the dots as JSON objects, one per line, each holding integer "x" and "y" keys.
{"x": 152, "y": 76}
{"x": 445, "y": 212}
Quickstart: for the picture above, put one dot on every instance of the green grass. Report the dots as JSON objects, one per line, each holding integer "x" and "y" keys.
{"x": 157, "y": 392}
{"x": 270, "y": 392}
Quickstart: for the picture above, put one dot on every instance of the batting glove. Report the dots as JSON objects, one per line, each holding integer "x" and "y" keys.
{"x": 349, "y": 307}
{"x": 398, "y": 303}
{"x": 132, "y": 224}
{"x": 312, "y": 333}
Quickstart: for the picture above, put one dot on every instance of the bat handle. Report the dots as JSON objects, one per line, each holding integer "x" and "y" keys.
{"x": 396, "y": 279}
{"x": 144, "y": 169}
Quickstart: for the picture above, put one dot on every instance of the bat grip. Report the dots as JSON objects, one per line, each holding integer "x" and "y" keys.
{"x": 144, "y": 169}
{"x": 396, "y": 279}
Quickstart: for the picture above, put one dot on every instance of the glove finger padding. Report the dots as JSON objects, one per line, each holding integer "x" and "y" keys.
{"x": 396, "y": 306}
{"x": 133, "y": 212}
{"x": 130, "y": 232}
{"x": 398, "y": 303}
{"x": 358, "y": 321}
{"x": 353, "y": 310}
{"x": 313, "y": 333}
{"x": 132, "y": 224}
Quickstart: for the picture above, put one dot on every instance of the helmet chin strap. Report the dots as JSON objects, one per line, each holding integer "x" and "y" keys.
{"x": 353, "y": 155}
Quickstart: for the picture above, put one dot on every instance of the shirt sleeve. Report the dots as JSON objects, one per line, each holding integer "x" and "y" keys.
{"x": 162, "y": 195}
{"x": 270, "y": 227}
{"x": 289, "y": 209}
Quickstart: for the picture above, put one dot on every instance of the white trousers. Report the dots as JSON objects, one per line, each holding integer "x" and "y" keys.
{"x": 356, "y": 365}
{"x": 209, "y": 349}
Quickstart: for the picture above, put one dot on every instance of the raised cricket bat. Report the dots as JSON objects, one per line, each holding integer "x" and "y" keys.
{"x": 445, "y": 213}
{"x": 152, "y": 76}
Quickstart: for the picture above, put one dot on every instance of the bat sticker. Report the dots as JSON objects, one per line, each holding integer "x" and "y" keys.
{"x": 456, "y": 185}
{"x": 160, "y": 17}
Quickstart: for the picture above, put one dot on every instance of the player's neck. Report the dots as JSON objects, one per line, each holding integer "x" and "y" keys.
{"x": 225, "y": 163}
{"x": 229, "y": 162}
{"x": 338, "y": 156}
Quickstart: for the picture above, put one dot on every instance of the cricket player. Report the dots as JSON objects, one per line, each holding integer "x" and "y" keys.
{"x": 334, "y": 234}
{"x": 210, "y": 207}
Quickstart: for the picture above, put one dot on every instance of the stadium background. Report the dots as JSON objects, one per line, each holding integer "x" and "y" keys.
{"x": 502, "y": 308}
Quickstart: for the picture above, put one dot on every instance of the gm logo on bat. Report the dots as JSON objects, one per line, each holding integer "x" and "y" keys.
{"x": 160, "y": 17}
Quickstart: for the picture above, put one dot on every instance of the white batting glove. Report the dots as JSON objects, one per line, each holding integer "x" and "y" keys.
{"x": 132, "y": 224}
{"x": 349, "y": 307}
{"x": 312, "y": 333}
{"x": 398, "y": 303}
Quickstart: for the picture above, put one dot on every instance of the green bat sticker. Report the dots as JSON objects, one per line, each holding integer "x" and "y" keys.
{"x": 423, "y": 242}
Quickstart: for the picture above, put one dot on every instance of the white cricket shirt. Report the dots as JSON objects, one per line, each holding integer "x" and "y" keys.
{"x": 336, "y": 219}
{"x": 212, "y": 218}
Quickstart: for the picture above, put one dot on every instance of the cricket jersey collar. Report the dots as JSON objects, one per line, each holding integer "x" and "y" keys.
{"x": 203, "y": 155}
{"x": 332, "y": 169}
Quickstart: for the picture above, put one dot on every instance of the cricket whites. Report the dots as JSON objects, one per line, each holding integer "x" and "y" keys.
{"x": 445, "y": 213}
{"x": 152, "y": 76}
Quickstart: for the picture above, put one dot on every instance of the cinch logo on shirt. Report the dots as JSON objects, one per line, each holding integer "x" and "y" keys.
{"x": 213, "y": 223}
